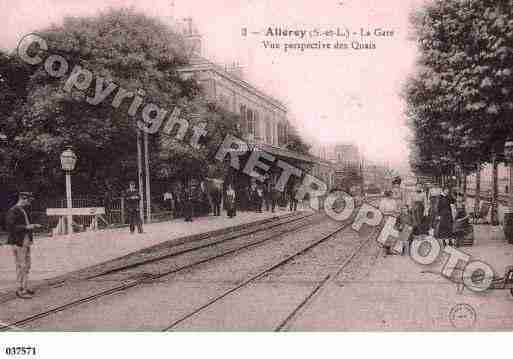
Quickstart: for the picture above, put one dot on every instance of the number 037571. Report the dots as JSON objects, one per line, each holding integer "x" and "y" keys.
{"x": 18, "y": 351}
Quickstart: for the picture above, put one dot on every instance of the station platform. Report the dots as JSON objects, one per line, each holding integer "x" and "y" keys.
{"x": 394, "y": 293}
{"x": 56, "y": 256}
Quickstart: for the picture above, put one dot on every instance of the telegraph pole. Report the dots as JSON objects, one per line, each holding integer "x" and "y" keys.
{"x": 139, "y": 172}
{"x": 147, "y": 167}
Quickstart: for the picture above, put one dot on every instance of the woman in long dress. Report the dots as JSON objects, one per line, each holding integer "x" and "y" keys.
{"x": 445, "y": 221}
{"x": 418, "y": 208}
{"x": 388, "y": 207}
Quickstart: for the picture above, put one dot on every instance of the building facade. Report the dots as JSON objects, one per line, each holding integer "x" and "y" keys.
{"x": 263, "y": 118}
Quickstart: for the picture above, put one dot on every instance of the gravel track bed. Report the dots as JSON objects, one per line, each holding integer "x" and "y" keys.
{"x": 234, "y": 268}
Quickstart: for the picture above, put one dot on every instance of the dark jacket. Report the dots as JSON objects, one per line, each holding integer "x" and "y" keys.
{"x": 445, "y": 214}
{"x": 132, "y": 200}
{"x": 16, "y": 226}
{"x": 216, "y": 195}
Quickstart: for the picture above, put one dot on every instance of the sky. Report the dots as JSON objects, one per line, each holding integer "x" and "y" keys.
{"x": 332, "y": 95}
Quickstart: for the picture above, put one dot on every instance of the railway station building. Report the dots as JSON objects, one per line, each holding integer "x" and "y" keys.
{"x": 263, "y": 118}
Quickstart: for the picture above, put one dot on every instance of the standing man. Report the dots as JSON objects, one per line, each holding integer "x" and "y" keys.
{"x": 20, "y": 229}
{"x": 293, "y": 199}
{"x": 267, "y": 194}
{"x": 132, "y": 199}
{"x": 189, "y": 202}
{"x": 216, "y": 199}
{"x": 274, "y": 196}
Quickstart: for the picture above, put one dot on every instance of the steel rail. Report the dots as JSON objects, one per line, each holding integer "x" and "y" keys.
{"x": 318, "y": 289}
{"x": 135, "y": 282}
{"x": 256, "y": 276}
{"x": 242, "y": 233}
{"x": 323, "y": 284}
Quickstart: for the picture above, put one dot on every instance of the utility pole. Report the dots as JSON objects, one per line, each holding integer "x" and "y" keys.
{"x": 147, "y": 165}
{"x": 477, "y": 194}
{"x": 139, "y": 175}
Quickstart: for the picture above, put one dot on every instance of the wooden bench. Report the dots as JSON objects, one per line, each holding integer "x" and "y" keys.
{"x": 96, "y": 213}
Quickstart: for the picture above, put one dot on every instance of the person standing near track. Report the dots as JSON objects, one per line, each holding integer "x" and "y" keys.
{"x": 132, "y": 199}
{"x": 434, "y": 196}
{"x": 444, "y": 225}
{"x": 267, "y": 193}
{"x": 418, "y": 208}
{"x": 189, "y": 202}
{"x": 216, "y": 196}
{"x": 231, "y": 201}
{"x": 293, "y": 198}
{"x": 388, "y": 207}
{"x": 20, "y": 237}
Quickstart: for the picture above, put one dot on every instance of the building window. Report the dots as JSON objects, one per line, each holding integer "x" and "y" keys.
{"x": 268, "y": 132}
{"x": 281, "y": 140}
{"x": 251, "y": 122}
{"x": 257, "y": 133}
{"x": 243, "y": 121}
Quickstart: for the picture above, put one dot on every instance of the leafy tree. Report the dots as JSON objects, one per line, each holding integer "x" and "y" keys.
{"x": 459, "y": 102}
{"x": 179, "y": 160}
{"x": 123, "y": 47}
{"x": 14, "y": 76}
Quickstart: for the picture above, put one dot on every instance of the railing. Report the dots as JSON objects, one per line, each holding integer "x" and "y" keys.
{"x": 115, "y": 213}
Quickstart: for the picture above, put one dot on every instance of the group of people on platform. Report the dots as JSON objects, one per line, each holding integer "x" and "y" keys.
{"x": 193, "y": 200}
{"x": 201, "y": 199}
{"x": 430, "y": 210}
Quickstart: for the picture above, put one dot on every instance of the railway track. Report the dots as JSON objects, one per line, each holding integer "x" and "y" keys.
{"x": 315, "y": 292}
{"x": 270, "y": 233}
{"x": 227, "y": 245}
{"x": 305, "y": 302}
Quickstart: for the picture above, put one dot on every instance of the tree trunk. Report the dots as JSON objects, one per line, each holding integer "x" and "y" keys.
{"x": 510, "y": 187}
{"x": 477, "y": 194}
{"x": 464, "y": 189}
{"x": 495, "y": 191}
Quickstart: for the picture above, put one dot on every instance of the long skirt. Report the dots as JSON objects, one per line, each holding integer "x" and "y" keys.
{"x": 418, "y": 221}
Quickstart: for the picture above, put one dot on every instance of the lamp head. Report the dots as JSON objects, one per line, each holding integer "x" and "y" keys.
{"x": 68, "y": 159}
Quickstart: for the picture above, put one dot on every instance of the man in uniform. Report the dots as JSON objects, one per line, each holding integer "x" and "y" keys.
{"x": 267, "y": 193}
{"x": 132, "y": 199}
{"x": 216, "y": 196}
{"x": 19, "y": 227}
{"x": 189, "y": 202}
{"x": 275, "y": 194}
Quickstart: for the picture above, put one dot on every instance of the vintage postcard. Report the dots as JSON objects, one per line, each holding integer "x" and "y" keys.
{"x": 255, "y": 166}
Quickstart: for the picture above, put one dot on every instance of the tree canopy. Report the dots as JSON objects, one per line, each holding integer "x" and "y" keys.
{"x": 459, "y": 101}
{"x": 136, "y": 53}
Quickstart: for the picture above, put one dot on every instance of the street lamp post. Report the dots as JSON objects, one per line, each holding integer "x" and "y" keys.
{"x": 508, "y": 154}
{"x": 508, "y": 216}
{"x": 68, "y": 161}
